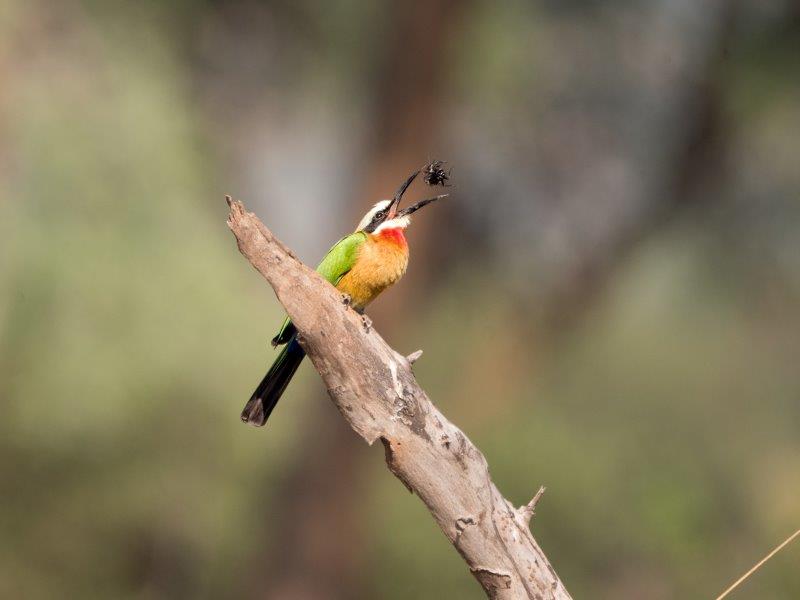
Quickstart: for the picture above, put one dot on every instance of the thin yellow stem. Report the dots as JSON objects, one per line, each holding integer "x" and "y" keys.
{"x": 758, "y": 565}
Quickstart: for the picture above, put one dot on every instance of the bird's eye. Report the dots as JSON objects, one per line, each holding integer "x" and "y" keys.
{"x": 380, "y": 214}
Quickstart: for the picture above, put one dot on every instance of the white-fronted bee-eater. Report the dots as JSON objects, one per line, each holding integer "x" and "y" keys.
{"x": 361, "y": 265}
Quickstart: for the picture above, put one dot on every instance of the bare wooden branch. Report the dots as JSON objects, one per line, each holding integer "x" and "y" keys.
{"x": 414, "y": 357}
{"x": 376, "y": 392}
{"x": 526, "y": 512}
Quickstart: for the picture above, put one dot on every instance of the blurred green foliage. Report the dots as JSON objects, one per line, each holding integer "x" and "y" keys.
{"x": 665, "y": 425}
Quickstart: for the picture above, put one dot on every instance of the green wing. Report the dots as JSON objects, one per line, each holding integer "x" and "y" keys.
{"x": 337, "y": 262}
{"x": 339, "y": 259}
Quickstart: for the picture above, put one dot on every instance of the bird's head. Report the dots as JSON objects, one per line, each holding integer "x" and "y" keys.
{"x": 386, "y": 214}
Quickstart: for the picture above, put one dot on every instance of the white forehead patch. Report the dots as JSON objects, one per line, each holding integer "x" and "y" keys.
{"x": 379, "y": 206}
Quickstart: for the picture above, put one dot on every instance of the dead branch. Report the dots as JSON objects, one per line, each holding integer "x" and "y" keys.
{"x": 376, "y": 392}
{"x": 526, "y": 512}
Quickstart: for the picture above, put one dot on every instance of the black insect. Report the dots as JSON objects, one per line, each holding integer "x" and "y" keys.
{"x": 435, "y": 174}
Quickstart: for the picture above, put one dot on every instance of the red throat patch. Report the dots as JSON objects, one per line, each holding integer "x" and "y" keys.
{"x": 393, "y": 236}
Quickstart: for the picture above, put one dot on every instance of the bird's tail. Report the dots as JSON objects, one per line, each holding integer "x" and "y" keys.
{"x": 269, "y": 391}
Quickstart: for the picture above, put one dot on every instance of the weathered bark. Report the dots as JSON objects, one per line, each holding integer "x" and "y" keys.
{"x": 376, "y": 392}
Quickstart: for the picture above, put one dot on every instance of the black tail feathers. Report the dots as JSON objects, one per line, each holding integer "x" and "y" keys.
{"x": 269, "y": 391}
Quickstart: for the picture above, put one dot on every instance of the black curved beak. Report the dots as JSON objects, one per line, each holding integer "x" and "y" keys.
{"x": 399, "y": 193}
{"x": 415, "y": 207}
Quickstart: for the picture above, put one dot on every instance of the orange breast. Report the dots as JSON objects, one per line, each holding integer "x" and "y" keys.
{"x": 382, "y": 260}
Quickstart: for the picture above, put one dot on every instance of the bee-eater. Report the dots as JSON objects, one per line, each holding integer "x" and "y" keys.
{"x": 361, "y": 265}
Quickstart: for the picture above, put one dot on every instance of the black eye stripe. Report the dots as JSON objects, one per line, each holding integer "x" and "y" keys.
{"x": 378, "y": 218}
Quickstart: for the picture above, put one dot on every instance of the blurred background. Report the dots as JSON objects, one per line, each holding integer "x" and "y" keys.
{"x": 609, "y": 304}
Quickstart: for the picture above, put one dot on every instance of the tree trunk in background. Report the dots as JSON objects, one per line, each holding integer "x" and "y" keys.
{"x": 696, "y": 158}
{"x": 322, "y": 559}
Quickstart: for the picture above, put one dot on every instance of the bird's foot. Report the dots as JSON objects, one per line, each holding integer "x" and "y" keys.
{"x": 347, "y": 300}
{"x": 367, "y": 322}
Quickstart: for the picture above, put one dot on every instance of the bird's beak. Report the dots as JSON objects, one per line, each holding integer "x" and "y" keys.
{"x": 415, "y": 207}
{"x": 399, "y": 194}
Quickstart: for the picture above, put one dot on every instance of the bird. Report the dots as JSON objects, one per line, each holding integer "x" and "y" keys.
{"x": 360, "y": 265}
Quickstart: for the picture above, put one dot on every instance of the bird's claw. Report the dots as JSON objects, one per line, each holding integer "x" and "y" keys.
{"x": 347, "y": 300}
{"x": 367, "y": 322}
